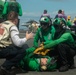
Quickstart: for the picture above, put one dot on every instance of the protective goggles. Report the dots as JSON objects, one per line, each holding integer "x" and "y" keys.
{"x": 44, "y": 24}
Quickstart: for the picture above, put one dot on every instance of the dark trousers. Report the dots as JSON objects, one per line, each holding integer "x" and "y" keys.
{"x": 64, "y": 53}
{"x": 13, "y": 55}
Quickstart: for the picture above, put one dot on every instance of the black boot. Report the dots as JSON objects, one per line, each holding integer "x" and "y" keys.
{"x": 6, "y": 72}
{"x": 71, "y": 64}
{"x": 64, "y": 68}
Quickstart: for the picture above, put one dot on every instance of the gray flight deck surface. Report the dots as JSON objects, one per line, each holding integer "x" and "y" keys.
{"x": 69, "y": 72}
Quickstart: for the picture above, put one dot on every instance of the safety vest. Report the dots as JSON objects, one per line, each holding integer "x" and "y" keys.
{"x": 5, "y": 33}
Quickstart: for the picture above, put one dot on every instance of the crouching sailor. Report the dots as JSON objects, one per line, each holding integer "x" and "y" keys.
{"x": 11, "y": 45}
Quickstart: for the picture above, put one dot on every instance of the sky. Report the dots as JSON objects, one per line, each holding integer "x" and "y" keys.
{"x": 32, "y": 9}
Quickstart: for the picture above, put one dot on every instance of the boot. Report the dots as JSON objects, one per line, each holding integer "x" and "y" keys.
{"x": 71, "y": 64}
{"x": 6, "y": 72}
{"x": 64, "y": 68}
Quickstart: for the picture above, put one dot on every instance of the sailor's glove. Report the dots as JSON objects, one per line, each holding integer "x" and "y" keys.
{"x": 42, "y": 44}
{"x": 45, "y": 52}
{"x": 39, "y": 50}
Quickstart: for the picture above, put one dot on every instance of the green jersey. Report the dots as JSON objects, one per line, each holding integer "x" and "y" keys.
{"x": 44, "y": 36}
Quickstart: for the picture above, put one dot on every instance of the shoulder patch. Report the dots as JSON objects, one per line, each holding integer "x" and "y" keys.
{"x": 1, "y": 29}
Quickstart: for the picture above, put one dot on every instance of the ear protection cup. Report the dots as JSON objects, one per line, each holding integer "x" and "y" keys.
{"x": 50, "y": 22}
{"x": 63, "y": 23}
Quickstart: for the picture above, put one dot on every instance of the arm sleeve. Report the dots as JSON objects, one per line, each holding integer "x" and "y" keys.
{"x": 64, "y": 38}
{"x": 36, "y": 38}
{"x": 20, "y": 10}
{"x": 5, "y": 8}
{"x": 15, "y": 37}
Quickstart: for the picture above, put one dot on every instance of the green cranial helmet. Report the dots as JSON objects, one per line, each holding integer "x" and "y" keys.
{"x": 59, "y": 21}
{"x": 56, "y": 21}
{"x": 45, "y": 21}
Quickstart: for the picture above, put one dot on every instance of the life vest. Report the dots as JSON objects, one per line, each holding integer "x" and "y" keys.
{"x": 5, "y": 33}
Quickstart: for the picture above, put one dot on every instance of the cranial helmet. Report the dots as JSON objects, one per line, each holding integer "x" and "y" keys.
{"x": 60, "y": 22}
{"x": 45, "y": 21}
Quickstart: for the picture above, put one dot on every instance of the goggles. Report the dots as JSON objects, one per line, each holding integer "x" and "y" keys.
{"x": 44, "y": 24}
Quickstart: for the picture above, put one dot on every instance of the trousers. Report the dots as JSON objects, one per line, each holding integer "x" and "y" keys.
{"x": 13, "y": 55}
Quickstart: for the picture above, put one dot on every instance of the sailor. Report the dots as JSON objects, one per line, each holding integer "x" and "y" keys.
{"x": 12, "y": 47}
{"x": 44, "y": 33}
